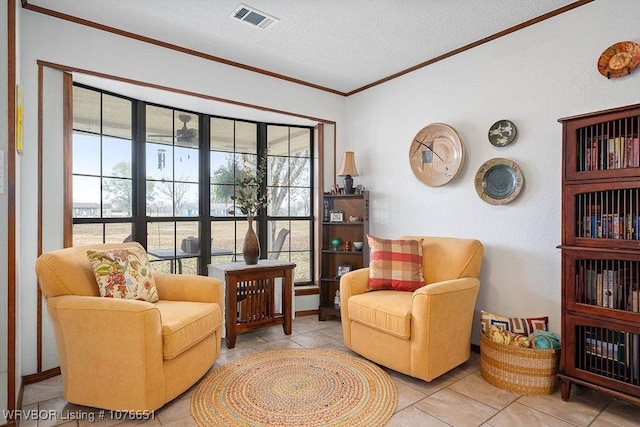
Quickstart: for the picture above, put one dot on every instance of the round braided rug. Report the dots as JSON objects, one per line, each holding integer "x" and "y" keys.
{"x": 295, "y": 387}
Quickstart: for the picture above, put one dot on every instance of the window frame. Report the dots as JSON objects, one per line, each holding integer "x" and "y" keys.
{"x": 140, "y": 219}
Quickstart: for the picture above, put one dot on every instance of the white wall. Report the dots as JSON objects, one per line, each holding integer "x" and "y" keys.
{"x": 60, "y": 42}
{"x": 532, "y": 77}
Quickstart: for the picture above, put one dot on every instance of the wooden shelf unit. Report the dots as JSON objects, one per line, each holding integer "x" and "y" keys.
{"x": 356, "y": 205}
{"x": 601, "y": 252}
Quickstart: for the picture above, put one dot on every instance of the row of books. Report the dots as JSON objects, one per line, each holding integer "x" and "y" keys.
{"x": 615, "y": 354}
{"x": 609, "y": 288}
{"x": 611, "y": 226}
{"x": 602, "y": 152}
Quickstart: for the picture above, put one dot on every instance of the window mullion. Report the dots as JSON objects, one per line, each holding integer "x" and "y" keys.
{"x": 205, "y": 191}
{"x": 139, "y": 196}
{"x": 263, "y": 236}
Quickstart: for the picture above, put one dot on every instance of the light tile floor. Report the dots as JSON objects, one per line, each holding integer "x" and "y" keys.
{"x": 458, "y": 398}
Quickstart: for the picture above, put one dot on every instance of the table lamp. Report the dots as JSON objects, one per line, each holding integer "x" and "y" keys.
{"x": 348, "y": 169}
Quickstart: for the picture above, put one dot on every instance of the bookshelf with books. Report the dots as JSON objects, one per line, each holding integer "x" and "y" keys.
{"x": 601, "y": 252}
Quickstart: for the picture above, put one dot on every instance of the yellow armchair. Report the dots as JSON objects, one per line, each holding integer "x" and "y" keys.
{"x": 124, "y": 354}
{"x": 425, "y": 333}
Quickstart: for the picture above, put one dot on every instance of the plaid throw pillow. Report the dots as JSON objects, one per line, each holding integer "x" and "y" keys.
{"x": 395, "y": 264}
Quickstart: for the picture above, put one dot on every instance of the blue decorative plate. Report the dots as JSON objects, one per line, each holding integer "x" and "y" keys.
{"x": 499, "y": 181}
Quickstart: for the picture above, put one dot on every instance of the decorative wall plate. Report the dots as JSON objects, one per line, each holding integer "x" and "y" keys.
{"x": 499, "y": 181}
{"x": 502, "y": 133}
{"x": 619, "y": 59}
{"x": 436, "y": 154}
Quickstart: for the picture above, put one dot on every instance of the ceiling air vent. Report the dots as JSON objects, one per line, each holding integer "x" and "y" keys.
{"x": 254, "y": 17}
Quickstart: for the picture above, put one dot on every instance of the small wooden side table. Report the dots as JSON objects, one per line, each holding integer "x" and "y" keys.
{"x": 249, "y": 296}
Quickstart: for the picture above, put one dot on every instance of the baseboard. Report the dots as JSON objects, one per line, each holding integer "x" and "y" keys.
{"x": 41, "y": 376}
{"x": 306, "y": 313}
{"x": 309, "y": 290}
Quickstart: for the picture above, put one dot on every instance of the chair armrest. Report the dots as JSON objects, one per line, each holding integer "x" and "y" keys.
{"x": 353, "y": 283}
{"x": 448, "y": 286}
{"x": 442, "y": 315}
{"x": 189, "y": 287}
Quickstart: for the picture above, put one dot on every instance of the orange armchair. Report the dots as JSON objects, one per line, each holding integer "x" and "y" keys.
{"x": 125, "y": 354}
{"x": 424, "y": 333}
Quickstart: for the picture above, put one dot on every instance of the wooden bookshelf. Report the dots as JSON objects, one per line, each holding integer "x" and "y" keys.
{"x": 601, "y": 252}
{"x": 348, "y": 229}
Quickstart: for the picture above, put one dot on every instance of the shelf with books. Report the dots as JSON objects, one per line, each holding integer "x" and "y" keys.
{"x": 605, "y": 146}
{"x": 601, "y": 252}
{"x": 599, "y": 152}
{"x": 609, "y": 353}
{"x": 597, "y": 280}
{"x": 609, "y": 283}
{"x": 603, "y": 211}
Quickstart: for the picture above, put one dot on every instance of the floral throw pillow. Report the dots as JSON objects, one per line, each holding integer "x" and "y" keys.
{"x": 395, "y": 264}
{"x": 123, "y": 273}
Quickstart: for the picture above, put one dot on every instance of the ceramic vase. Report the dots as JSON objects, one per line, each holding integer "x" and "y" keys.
{"x": 251, "y": 247}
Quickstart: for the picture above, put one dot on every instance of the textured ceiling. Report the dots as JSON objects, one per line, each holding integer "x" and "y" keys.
{"x": 340, "y": 45}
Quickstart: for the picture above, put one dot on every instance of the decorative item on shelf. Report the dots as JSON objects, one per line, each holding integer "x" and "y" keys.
{"x": 358, "y": 246}
{"x": 342, "y": 270}
{"x": 336, "y": 299}
{"x": 248, "y": 200}
{"x": 499, "y": 181}
{"x": 335, "y": 189}
{"x": 356, "y": 219}
{"x": 436, "y": 154}
{"x": 502, "y": 132}
{"x": 336, "y": 216}
{"x": 335, "y": 243}
{"x": 359, "y": 189}
{"x": 325, "y": 212}
{"x": 348, "y": 170}
{"x": 619, "y": 59}
{"x": 347, "y": 245}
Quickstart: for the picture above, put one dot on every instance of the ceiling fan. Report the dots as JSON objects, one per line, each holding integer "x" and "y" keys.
{"x": 184, "y": 134}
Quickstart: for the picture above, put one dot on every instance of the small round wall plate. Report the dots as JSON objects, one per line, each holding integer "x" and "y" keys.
{"x": 619, "y": 59}
{"x": 499, "y": 181}
{"x": 502, "y": 133}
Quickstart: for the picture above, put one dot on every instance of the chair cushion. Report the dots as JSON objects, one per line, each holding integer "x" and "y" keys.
{"x": 185, "y": 324}
{"x": 123, "y": 273}
{"x": 395, "y": 264}
{"x": 386, "y": 310}
{"x": 519, "y": 325}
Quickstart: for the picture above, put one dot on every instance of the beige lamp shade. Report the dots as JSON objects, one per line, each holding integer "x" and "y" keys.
{"x": 348, "y": 164}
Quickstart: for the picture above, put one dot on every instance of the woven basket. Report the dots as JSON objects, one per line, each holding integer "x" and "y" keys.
{"x": 527, "y": 371}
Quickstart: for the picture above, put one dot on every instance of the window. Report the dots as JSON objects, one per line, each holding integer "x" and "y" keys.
{"x": 145, "y": 172}
{"x": 289, "y": 172}
{"x": 172, "y": 189}
{"x": 102, "y": 175}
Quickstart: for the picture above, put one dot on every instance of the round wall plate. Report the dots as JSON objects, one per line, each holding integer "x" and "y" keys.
{"x": 619, "y": 59}
{"x": 502, "y": 132}
{"x": 436, "y": 154}
{"x": 499, "y": 181}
